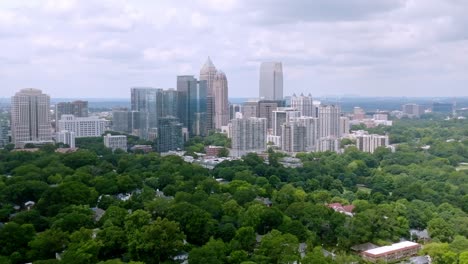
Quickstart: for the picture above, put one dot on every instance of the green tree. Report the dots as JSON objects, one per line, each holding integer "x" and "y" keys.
{"x": 47, "y": 243}
{"x": 156, "y": 242}
{"x": 213, "y": 252}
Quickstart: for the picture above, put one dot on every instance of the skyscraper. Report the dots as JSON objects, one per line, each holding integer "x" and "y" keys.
{"x": 329, "y": 121}
{"x": 170, "y": 135}
{"x": 304, "y": 104}
{"x": 271, "y": 81}
{"x": 217, "y": 109}
{"x": 170, "y": 103}
{"x": 192, "y": 104}
{"x": 221, "y": 103}
{"x": 293, "y": 137}
{"x": 131, "y": 122}
{"x": 248, "y": 135}
{"x": 148, "y": 100}
{"x": 281, "y": 116}
{"x": 30, "y": 117}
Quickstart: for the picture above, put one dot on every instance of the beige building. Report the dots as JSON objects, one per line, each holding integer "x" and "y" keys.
{"x": 221, "y": 103}
{"x": 392, "y": 253}
{"x": 30, "y": 117}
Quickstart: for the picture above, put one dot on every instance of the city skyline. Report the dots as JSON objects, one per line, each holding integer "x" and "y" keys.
{"x": 99, "y": 49}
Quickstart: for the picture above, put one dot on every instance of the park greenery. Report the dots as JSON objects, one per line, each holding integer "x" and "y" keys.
{"x": 160, "y": 209}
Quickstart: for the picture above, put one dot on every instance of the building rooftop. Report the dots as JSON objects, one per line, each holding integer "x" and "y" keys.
{"x": 391, "y": 248}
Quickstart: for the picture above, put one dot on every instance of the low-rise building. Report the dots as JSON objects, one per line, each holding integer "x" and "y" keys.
{"x": 115, "y": 142}
{"x": 392, "y": 253}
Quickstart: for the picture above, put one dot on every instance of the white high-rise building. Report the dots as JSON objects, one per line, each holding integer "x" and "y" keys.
{"x": 66, "y": 137}
{"x": 311, "y": 131}
{"x": 30, "y": 117}
{"x": 344, "y": 125}
{"x": 83, "y": 126}
{"x": 328, "y": 144}
{"x": 281, "y": 116}
{"x": 248, "y": 135}
{"x": 329, "y": 121}
{"x": 368, "y": 143}
{"x": 221, "y": 103}
{"x": 304, "y": 104}
{"x": 116, "y": 142}
{"x": 271, "y": 81}
{"x": 293, "y": 138}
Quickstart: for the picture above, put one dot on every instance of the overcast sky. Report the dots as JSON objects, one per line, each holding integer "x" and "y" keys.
{"x": 88, "y": 48}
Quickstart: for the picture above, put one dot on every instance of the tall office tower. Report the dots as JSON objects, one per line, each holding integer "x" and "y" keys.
{"x": 266, "y": 108}
{"x": 66, "y": 137}
{"x": 170, "y": 136}
{"x": 271, "y": 81}
{"x": 115, "y": 142}
{"x": 192, "y": 104}
{"x": 293, "y": 137}
{"x": 30, "y": 117}
{"x": 369, "y": 143}
{"x": 328, "y": 144}
{"x": 170, "y": 103}
{"x": 148, "y": 100}
{"x": 329, "y": 121}
{"x": 282, "y": 115}
{"x": 248, "y": 135}
{"x": 304, "y": 104}
{"x": 413, "y": 110}
{"x": 250, "y": 109}
{"x": 220, "y": 95}
{"x": 311, "y": 131}
{"x": 83, "y": 126}
{"x": 130, "y": 122}
{"x": 76, "y": 108}
{"x": 233, "y": 109}
{"x": 208, "y": 73}
{"x": 358, "y": 113}
{"x": 344, "y": 125}
{"x": 3, "y": 133}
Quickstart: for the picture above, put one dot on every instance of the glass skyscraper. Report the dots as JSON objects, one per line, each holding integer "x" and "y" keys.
{"x": 271, "y": 81}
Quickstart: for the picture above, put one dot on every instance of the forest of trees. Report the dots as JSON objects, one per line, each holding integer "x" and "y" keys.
{"x": 172, "y": 208}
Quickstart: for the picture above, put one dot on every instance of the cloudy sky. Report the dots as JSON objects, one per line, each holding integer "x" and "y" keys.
{"x": 89, "y": 49}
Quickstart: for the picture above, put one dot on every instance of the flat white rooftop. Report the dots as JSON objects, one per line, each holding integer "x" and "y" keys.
{"x": 393, "y": 247}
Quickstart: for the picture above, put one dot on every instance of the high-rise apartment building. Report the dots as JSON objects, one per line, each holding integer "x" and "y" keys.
{"x": 369, "y": 143}
{"x": 271, "y": 81}
{"x": 304, "y": 104}
{"x": 30, "y": 117}
{"x": 115, "y": 142}
{"x": 76, "y": 108}
{"x": 83, "y": 126}
{"x": 248, "y": 135}
{"x": 344, "y": 126}
{"x": 266, "y": 108}
{"x": 329, "y": 121}
{"x": 281, "y": 116}
{"x": 293, "y": 138}
{"x": 250, "y": 109}
{"x": 233, "y": 109}
{"x": 311, "y": 131}
{"x": 328, "y": 144}
{"x": 66, "y": 137}
{"x": 193, "y": 104}
{"x": 170, "y": 135}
